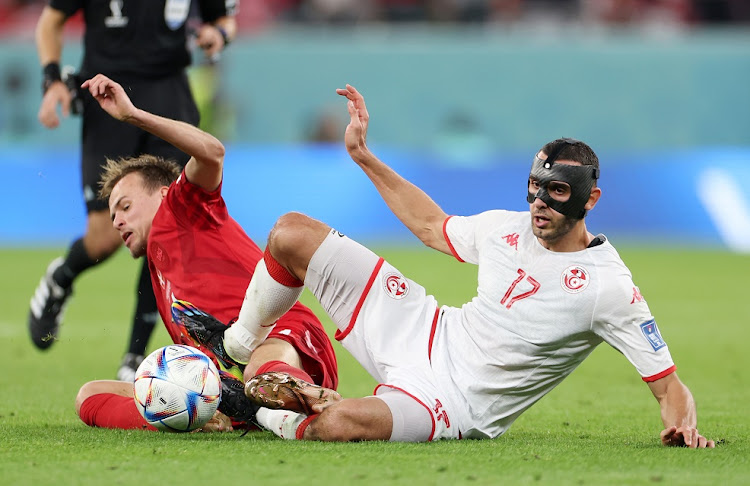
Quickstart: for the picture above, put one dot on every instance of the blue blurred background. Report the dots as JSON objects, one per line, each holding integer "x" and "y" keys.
{"x": 461, "y": 94}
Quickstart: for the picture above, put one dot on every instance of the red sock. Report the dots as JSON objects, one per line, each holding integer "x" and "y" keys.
{"x": 279, "y": 273}
{"x": 285, "y": 368}
{"x": 300, "y": 433}
{"x": 112, "y": 411}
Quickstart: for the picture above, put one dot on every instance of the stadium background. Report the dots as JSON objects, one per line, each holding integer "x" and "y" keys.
{"x": 461, "y": 95}
{"x": 658, "y": 87}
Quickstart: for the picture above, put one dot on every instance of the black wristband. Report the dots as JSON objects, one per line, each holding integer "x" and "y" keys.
{"x": 50, "y": 74}
{"x": 224, "y": 35}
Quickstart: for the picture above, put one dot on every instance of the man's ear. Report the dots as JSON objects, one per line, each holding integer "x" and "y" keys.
{"x": 596, "y": 193}
{"x": 163, "y": 191}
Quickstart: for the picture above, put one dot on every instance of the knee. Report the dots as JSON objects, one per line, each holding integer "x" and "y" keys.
{"x": 86, "y": 391}
{"x": 293, "y": 234}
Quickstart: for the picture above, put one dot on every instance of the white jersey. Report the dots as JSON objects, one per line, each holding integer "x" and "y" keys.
{"x": 536, "y": 316}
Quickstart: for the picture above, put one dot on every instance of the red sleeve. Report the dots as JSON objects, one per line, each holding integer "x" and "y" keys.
{"x": 199, "y": 207}
{"x": 448, "y": 240}
{"x": 658, "y": 376}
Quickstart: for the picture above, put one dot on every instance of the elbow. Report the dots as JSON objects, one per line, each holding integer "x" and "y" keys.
{"x": 216, "y": 152}
{"x": 432, "y": 236}
{"x": 220, "y": 151}
{"x": 428, "y": 239}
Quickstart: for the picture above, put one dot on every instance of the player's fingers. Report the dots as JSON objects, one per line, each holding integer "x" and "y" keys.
{"x": 689, "y": 437}
{"x": 667, "y": 433}
{"x": 701, "y": 442}
{"x": 94, "y": 86}
{"x": 351, "y": 89}
{"x": 359, "y": 100}
{"x": 48, "y": 119}
{"x": 94, "y": 82}
{"x": 710, "y": 444}
{"x": 352, "y": 109}
{"x": 676, "y": 438}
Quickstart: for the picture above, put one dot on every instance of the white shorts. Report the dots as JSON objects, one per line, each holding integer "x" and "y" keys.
{"x": 386, "y": 322}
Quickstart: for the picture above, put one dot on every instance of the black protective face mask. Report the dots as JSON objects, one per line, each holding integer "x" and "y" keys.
{"x": 580, "y": 178}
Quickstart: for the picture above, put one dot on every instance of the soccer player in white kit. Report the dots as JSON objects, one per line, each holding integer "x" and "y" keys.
{"x": 548, "y": 293}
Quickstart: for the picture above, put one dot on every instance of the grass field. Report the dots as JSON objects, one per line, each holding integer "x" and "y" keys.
{"x": 600, "y": 426}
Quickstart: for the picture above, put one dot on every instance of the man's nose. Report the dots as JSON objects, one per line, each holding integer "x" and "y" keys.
{"x": 538, "y": 203}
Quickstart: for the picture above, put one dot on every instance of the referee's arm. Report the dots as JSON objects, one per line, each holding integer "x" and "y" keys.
{"x": 49, "y": 45}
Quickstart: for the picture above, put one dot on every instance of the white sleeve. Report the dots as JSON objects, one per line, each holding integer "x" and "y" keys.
{"x": 623, "y": 319}
{"x": 466, "y": 234}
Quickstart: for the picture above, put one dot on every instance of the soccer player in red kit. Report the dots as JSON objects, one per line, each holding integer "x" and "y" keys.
{"x": 196, "y": 252}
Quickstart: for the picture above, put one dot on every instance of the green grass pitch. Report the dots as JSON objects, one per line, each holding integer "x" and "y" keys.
{"x": 600, "y": 426}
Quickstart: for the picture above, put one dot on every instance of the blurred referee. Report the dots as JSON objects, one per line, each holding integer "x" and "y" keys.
{"x": 143, "y": 46}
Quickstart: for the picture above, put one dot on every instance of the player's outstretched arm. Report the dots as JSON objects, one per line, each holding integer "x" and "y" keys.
{"x": 409, "y": 203}
{"x": 207, "y": 153}
{"x": 678, "y": 413}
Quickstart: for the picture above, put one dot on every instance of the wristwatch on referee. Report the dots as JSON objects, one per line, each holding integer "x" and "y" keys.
{"x": 224, "y": 34}
{"x": 50, "y": 74}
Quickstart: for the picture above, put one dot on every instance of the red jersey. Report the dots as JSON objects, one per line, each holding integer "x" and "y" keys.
{"x": 198, "y": 253}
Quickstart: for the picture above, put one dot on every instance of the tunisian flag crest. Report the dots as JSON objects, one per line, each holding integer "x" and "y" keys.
{"x": 575, "y": 279}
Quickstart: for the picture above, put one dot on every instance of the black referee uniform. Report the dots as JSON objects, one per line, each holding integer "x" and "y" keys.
{"x": 141, "y": 44}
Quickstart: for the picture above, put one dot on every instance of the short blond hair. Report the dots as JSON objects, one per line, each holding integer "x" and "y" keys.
{"x": 155, "y": 171}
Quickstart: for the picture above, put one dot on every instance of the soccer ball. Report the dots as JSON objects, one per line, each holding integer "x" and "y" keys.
{"x": 177, "y": 388}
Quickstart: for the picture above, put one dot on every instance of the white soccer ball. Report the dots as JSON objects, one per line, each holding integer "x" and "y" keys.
{"x": 177, "y": 388}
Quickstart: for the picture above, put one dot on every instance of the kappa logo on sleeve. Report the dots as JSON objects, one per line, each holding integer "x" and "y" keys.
{"x": 652, "y": 335}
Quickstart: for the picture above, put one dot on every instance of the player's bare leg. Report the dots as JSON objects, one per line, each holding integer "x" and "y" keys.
{"x": 272, "y": 349}
{"x": 294, "y": 239}
{"x": 276, "y": 285}
{"x": 92, "y": 388}
{"x": 352, "y": 419}
{"x": 101, "y": 239}
{"x": 50, "y": 298}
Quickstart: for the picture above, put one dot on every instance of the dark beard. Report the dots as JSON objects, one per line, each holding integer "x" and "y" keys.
{"x": 564, "y": 228}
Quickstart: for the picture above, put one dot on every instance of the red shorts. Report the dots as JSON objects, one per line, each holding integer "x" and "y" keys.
{"x": 307, "y": 336}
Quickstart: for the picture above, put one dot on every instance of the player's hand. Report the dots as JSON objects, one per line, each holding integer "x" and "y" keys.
{"x": 56, "y": 94}
{"x": 210, "y": 40}
{"x": 218, "y": 423}
{"x": 685, "y": 437}
{"x": 111, "y": 97}
{"x": 355, "y": 137}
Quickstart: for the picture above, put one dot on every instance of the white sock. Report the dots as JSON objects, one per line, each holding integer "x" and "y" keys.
{"x": 281, "y": 422}
{"x": 265, "y": 301}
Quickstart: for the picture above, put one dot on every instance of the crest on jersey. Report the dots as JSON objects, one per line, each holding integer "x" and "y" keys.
{"x": 575, "y": 279}
{"x": 159, "y": 255}
{"x": 176, "y": 12}
{"x": 652, "y": 335}
{"x": 396, "y": 286}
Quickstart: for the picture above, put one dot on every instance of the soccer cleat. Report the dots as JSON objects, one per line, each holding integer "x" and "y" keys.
{"x": 279, "y": 390}
{"x": 47, "y": 308}
{"x": 205, "y": 330}
{"x": 130, "y": 363}
{"x": 234, "y": 404}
